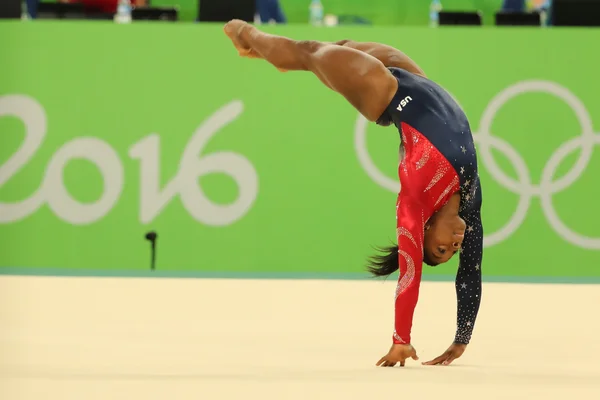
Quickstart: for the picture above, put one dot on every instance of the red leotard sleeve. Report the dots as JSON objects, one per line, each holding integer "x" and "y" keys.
{"x": 409, "y": 232}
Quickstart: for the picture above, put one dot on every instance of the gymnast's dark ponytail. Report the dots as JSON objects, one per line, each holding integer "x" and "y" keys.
{"x": 384, "y": 264}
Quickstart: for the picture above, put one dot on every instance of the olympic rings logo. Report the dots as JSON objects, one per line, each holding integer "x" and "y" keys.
{"x": 523, "y": 185}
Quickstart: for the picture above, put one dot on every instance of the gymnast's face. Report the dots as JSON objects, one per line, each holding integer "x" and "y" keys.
{"x": 443, "y": 238}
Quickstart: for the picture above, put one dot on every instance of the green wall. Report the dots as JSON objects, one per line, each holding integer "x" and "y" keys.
{"x": 244, "y": 170}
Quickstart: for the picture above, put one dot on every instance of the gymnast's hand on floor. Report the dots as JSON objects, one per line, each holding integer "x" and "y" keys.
{"x": 399, "y": 353}
{"x": 454, "y": 351}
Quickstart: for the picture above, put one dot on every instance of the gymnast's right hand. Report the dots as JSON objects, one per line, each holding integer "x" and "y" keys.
{"x": 399, "y": 353}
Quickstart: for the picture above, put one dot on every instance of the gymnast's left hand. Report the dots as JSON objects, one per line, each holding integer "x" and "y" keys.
{"x": 399, "y": 353}
{"x": 454, "y": 351}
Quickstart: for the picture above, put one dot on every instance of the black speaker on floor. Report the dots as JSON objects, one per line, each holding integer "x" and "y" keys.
{"x": 575, "y": 12}
{"x": 225, "y": 10}
{"x": 10, "y": 9}
{"x": 459, "y": 18}
{"x": 518, "y": 19}
{"x": 154, "y": 14}
{"x": 60, "y": 11}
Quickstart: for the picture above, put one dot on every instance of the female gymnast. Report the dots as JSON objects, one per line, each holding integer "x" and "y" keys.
{"x": 438, "y": 207}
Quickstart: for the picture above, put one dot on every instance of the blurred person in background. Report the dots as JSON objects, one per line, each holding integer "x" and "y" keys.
{"x": 105, "y": 6}
{"x": 32, "y": 6}
{"x": 544, "y": 7}
{"x": 526, "y": 5}
{"x": 270, "y": 10}
{"x": 513, "y": 5}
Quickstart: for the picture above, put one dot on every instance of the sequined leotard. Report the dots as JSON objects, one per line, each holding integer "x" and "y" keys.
{"x": 439, "y": 160}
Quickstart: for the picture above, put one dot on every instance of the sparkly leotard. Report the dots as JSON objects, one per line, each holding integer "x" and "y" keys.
{"x": 440, "y": 160}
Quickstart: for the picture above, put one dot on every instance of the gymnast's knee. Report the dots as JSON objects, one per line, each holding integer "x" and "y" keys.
{"x": 309, "y": 47}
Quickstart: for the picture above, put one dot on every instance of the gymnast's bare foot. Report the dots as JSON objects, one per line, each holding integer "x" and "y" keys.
{"x": 233, "y": 30}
